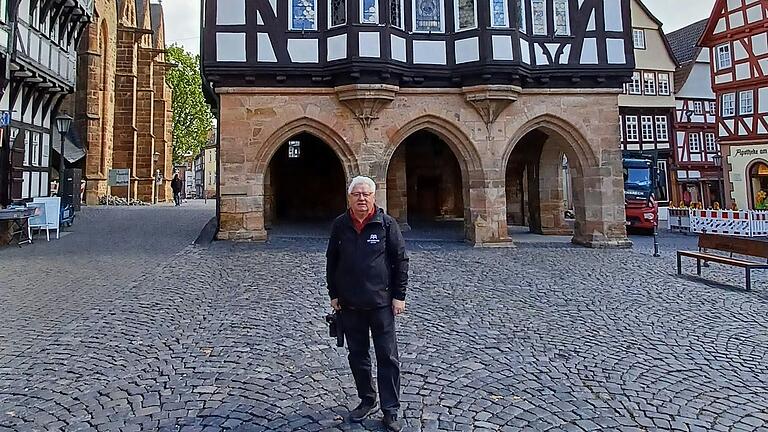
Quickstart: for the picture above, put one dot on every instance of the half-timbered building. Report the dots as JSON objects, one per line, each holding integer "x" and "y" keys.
{"x": 460, "y": 110}
{"x": 648, "y": 101}
{"x": 42, "y": 72}
{"x": 696, "y": 174}
{"x": 737, "y": 39}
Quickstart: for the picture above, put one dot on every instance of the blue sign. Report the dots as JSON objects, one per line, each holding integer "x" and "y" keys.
{"x": 5, "y": 118}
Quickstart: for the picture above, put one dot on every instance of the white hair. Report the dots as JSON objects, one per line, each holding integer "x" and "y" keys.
{"x": 362, "y": 180}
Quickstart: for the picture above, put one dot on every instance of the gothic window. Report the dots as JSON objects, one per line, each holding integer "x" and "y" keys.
{"x": 369, "y": 11}
{"x": 465, "y": 15}
{"x": 303, "y": 15}
{"x": 562, "y": 18}
{"x": 396, "y": 14}
{"x": 428, "y": 15}
{"x": 539, "y": 16}
{"x": 499, "y": 16}
{"x": 338, "y": 13}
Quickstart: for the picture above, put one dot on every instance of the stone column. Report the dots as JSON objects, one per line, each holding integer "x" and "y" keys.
{"x": 145, "y": 137}
{"x": 486, "y": 211}
{"x": 124, "y": 155}
{"x": 163, "y": 128}
{"x": 599, "y": 205}
{"x": 397, "y": 188}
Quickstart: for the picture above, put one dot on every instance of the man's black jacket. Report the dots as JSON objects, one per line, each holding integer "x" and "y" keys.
{"x": 367, "y": 270}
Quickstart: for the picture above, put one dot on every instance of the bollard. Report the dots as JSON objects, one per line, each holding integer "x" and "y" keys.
{"x": 656, "y": 239}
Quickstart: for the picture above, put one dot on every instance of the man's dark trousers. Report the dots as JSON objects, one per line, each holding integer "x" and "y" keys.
{"x": 381, "y": 323}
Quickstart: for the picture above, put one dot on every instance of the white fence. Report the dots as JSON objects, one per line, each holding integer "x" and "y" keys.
{"x": 736, "y": 223}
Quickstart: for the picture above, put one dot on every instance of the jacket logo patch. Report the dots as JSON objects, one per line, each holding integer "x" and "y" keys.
{"x": 373, "y": 239}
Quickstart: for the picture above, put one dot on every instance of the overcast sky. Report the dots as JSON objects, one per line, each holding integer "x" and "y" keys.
{"x": 182, "y": 18}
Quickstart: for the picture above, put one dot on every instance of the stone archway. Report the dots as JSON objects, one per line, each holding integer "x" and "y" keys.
{"x": 535, "y": 184}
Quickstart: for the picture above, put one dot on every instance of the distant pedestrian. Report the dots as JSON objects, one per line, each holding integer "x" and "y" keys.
{"x": 176, "y": 186}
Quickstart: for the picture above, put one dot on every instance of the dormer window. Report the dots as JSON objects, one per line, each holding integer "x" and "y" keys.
{"x": 303, "y": 15}
{"x": 562, "y": 18}
{"x": 338, "y": 13}
{"x": 466, "y": 15}
{"x": 369, "y": 11}
{"x": 499, "y": 15}
{"x": 539, "y": 13}
{"x": 428, "y": 16}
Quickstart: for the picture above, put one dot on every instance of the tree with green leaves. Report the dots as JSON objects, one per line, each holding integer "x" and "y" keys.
{"x": 192, "y": 118}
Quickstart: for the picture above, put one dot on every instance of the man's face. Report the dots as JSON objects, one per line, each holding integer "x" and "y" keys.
{"x": 361, "y": 199}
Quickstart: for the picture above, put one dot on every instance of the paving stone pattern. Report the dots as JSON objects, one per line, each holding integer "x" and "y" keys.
{"x": 123, "y": 326}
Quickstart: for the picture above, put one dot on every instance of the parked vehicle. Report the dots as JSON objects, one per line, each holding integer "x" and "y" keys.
{"x": 639, "y": 201}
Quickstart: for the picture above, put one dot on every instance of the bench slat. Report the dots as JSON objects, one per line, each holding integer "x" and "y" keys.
{"x": 722, "y": 259}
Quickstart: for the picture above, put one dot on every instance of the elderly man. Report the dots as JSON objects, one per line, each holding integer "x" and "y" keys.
{"x": 367, "y": 275}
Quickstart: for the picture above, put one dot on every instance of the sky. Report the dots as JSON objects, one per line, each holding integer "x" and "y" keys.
{"x": 182, "y": 18}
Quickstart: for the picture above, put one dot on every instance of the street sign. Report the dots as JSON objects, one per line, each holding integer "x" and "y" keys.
{"x": 5, "y": 118}
{"x": 120, "y": 177}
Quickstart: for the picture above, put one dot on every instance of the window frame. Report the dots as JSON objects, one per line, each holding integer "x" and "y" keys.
{"x": 718, "y": 51}
{"x": 712, "y": 108}
{"x": 523, "y": 17}
{"x": 751, "y": 102}
{"x": 707, "y": 141}
{"x": 639, "y": 89}
{"x": 362, "y": 13}
{"x": 505, "y": 5}
{"x": 658, "y": 122}
{"x": 442, "y": 18}
{"x": 698, "y": 108}
{"x": 330, "y": 14}
{"x": 645, "y": 81}
{"x": 533, "y": 18}
{"x": 567, "y": 17}
{"x": 641, "y": 32}
{"x": 691, "y": 135}
{"x": 401, "y": 9}
{"x": 456, "y": 16}
{"x": 724, "y": 105}
{"x": 668, "y": 88}
{"x": 647, "y": 121}
{"x": 632, "y": 121}
{"x": 291, "y": 17}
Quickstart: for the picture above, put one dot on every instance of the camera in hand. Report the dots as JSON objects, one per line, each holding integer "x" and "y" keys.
{"x": 332, "y": 326}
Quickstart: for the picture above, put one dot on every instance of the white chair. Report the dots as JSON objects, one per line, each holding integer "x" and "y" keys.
{"x": 52, "y": 206}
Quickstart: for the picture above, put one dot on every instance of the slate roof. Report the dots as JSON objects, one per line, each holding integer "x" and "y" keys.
{"x": 683, "y": 41}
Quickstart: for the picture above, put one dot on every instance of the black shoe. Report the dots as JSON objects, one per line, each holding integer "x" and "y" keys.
{"x": 393, "y": 423}
{"x": 362, "y": 411}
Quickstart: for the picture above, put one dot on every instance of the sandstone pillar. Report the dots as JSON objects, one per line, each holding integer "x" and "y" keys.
{"x": 145, "y": 133}
{"x": 125, "y": 135}
{"x": 486, "y": 214}
{"x": 397, "y": 188}
{"x": 599, "y": 206}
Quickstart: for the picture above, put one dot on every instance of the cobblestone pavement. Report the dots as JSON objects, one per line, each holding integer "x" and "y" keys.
{"x": 122, "y": 325}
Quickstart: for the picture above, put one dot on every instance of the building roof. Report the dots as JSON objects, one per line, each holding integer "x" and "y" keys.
{"x": 661, "y": 31}
{"x": 683, "y": 41}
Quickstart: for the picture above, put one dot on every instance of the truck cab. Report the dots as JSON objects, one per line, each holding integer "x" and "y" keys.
{"x": 639, "y": 201}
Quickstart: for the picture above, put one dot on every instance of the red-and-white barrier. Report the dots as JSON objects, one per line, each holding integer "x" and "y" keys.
{"x": 735, "y": 223}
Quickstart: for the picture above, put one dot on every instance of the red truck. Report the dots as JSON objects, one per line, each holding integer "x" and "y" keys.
{"x": 639, "y": 201}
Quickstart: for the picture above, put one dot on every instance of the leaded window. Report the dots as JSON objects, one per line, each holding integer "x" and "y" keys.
{"x": 539, "y": 13}
{"x": 562, "y": 18}
{"x": 303, "y": 15}
{"x": 466, "y": 13}
{"x": 338, "y": 13}
{"x": 521, "y": 22}
{"x": 369, "y": 11}
{"x": 499, "y": 13}
{"x": 396, "y": 14}
{"x": 428, "y": 16}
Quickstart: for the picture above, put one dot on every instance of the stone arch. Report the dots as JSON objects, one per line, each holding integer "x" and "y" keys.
{"x": 317, "y": 128}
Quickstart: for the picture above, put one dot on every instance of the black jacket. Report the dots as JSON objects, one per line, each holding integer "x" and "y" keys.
{"x": 367, "y": 270}
{"x": 176, "y": 185}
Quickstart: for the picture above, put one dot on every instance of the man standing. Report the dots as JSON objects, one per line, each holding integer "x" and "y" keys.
{"x": 176, "y": 186}
{"x": 367, "y": 274}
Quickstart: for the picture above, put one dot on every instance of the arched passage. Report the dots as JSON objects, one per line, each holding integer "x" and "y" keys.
{"x": 304, "y": 182}
{"x": 425, "y": 184}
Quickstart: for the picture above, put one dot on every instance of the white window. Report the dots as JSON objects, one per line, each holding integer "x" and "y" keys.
{"x": 649, "y": 83}
{"x": 562, "y": 18}
{"x": 27, "y": 152}
{"x": 746, "y": 102}
{"x": 4, "y": 11}
{"x": 294, "y": 149}
{"x": 499, "y": 14}
{"x": 428, "y": 16}
{"x": 338, "y": 13}
{"x": 712, "y": 108}
{"x": 631, "y": 128}
{"x": 697, "y": 108}
{"x": 539, "y": 17}
{"x": 35, "y": 149}
{"x": 664, "y": 84}
{"x": 662, "y": 131}
{"x": 302, "y": 15}
{"x": 466, "y": 14}
{"x": 723, "y": 57}
{"x": 635, "y": 87}
{"x": 694, "y": 142}
{"x": 522, "y": 18}
{"x": 709, "y": 140}
{"x": 396, "y": 14}
{"x": 638, "y": 38}
{"x": 729, "y": 104}
{"x": 647, "y": 125}
{"x": 369, "y": 11}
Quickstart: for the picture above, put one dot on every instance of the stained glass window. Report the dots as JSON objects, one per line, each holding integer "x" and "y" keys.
{"x": 303, "y": 14}
{"x": 499, "y": 13}
{"x": 396, "y": 13}
{"x": 466, "y": 14}
{"x": 539, "y": 13}
{"x": 428, "y": 16}
{"x": 562, "y": 19}
{"x": 338, "y": 12}
{"x": 369, "y": 11}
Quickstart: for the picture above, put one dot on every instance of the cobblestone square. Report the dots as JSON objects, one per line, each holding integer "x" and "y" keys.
{"x": 124, "y": 325}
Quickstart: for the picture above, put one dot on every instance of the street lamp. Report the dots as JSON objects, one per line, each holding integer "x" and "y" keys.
{"x": 63, "y": 122}
{"x": 718, "y": 159}
{"x": 155, "y": 158}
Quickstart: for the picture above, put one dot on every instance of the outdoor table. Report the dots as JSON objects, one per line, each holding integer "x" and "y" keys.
{"x": 19, "y": 218}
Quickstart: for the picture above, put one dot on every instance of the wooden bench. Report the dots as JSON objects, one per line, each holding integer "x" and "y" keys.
{"x": 731, "y": 245}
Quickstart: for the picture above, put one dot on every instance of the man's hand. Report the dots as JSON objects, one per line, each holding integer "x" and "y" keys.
{"x": 398, "y": 306}
{"x": 335, "y": 304}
